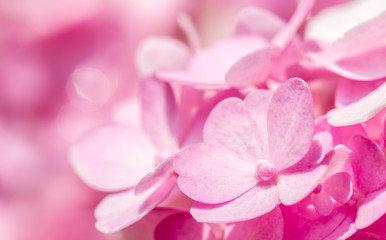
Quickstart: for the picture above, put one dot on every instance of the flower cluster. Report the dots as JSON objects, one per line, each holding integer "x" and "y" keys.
{"x": 276, "y": 131}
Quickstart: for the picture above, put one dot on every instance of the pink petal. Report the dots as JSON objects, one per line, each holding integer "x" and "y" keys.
{"x": 371, "y": 208}
{"x": 213, "y": 175}
{"x": 349, "y": 91}
{"x": 229, "y": 125}
{"x": 338, "y": 160}
{"x": 251, "y": 69}
{"x": 258, "y": 21}
{"x": 182, "y": 226}
{"x": 158, "y": 103}
{"x": 323, "y": 203}
{"x": 270, "y": 225}
{"x": 362, "y": 38}
{"x": 339, "y": 187}
{"x": 290, "y": 123}
{"x": 360, "y": 110}
{"x": 205, "y": 70}
{"x": 159, "y": 174}
{"x": 257, "y": 103}
{"x": 119, "y": 210}
{"x": 258, "y": 201}
{"x": 104, "y": 156}
{"x": 365, "y": 235}
{"x": 294, "y": 186}
{"x": 368, "y": 162}
{"x": 161, "y": 53}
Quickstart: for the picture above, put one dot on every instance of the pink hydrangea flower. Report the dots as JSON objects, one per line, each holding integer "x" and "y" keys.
{"x": 247, "y": 163}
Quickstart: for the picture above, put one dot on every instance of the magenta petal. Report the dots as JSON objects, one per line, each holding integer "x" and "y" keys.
{"x": 182, "y": 226}
{"x": 294, "y": 186}
{"x": 229, "y": 126}
{"x": 258, "y": 21}
{"x": 213, "y": 175}
{"x": 323, "y": 203}
{"x": 104, "y": 156}
{"x": 158, "y": 103}
{"x": 361, "y": 110}
{"x": 371, "y": 208}
{"x": 339, "y": 187}
{"x": 365, "y": 235}
{"x": 256, "y": 202}
{"x": 368, "y": 162}
{"x": 119, "y": 210}
{"x": 270, "y": 225}
{"x": 290, "y": 123}
{"x": 161, "y": 53}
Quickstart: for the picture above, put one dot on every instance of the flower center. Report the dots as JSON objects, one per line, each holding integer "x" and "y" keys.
{"x": 265, "y": 170}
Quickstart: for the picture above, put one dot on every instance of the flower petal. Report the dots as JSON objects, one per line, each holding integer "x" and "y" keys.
{"x": 229, "y": 126}
{"x": 213, "y": 175}
{"x": 182, "y": 226}
{"x": 258, "y": 201}
{"x": 323, "y": 203}
{"x": 270, "y": 225}
{"x": 371, "y": 208}
{"x": 113, "y": 157}
{"x": 290, "y": 123}
{"x": 361, "y": 110}
{"x": 339, "y": 187}
{"x": 368, "y": 163}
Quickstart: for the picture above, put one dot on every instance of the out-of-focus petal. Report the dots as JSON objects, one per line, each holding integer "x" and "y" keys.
{"x": 368, "y": 162}
{"x": 270, "y": 226}
{"x": 213, "y": 175}
{"x": 258, "y": 201}
{"x": 339, "y": 187}
{"x": 290, "y": 123}
{"x": 159, "y": 114}
{"x": 371, "y": 208}
{"x": 161, "y": 53}
{"x": 323, "y": 203}
{"x": 361, "y": 110}
{"x": 182, "y": 226}
{"x": 113, "y": 157}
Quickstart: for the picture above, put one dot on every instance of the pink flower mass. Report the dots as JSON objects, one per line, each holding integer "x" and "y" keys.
{"x": 193, "y": 120}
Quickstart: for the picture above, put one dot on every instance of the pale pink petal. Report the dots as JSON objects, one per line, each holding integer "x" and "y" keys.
{"x": 182, "y": 226}
{"x": 368, "y": 162}
{"x": 229, "y": 125}
{"x": 361, "y": 110}
{"x": 113, "y": 157}
{"x": 365, "y": 37}
{"x": 371, "y": 208}
{"x": 290, "y": 123}
{"x": 159, "y": 114}
{"x": 258, "y": 21}
{"x": 119, "y": 210}
{"x": 323, "y": 203}
{"x": 159, "y": 174}
{"x": 339, "y": 187}
{"x": 208, "y": 67}
{"x": 294, "y": 186}
{"x": 270, "y": 226}
{"x": 258, "y": 201}
{"x": 161, "y": 53}
{"x": 349, "y": 91}
{"x": 338, "y": 160}
{"x": 257, "y": 104}
{"x": 251, "y": 69}
{"x": 212, "y": 174}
